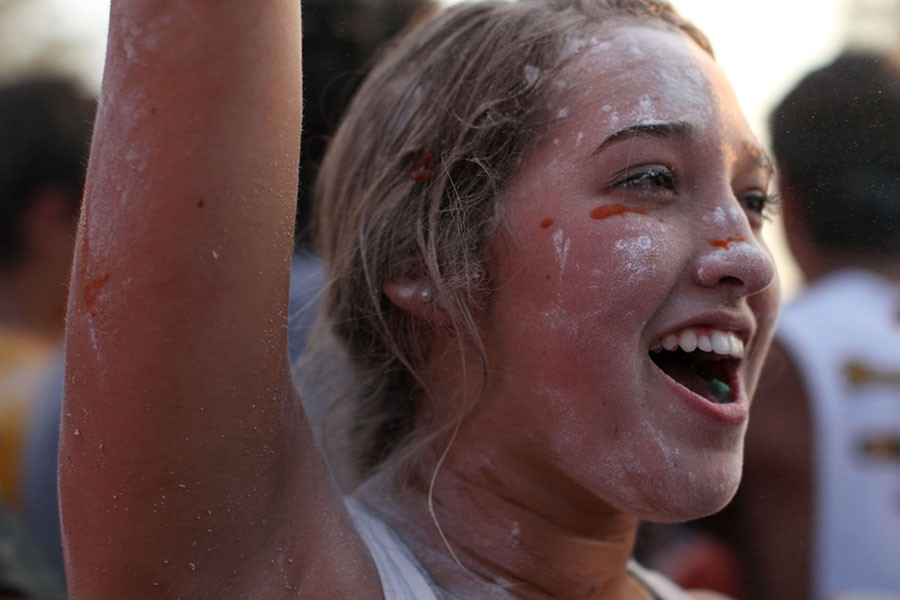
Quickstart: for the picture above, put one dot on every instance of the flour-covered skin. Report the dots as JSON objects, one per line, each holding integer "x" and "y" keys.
{"x": 517, "y": 224}
{"x": 585, "y": 300}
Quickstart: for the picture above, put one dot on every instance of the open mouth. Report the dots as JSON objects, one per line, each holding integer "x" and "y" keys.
{"x": 704, "y": 362}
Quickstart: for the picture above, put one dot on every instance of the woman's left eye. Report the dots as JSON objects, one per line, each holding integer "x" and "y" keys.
{"x": 759, "y": 203}
{"x": 654, "y": 179}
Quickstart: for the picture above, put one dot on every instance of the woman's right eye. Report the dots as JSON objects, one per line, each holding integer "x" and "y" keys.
{"x": 655, "y": 180}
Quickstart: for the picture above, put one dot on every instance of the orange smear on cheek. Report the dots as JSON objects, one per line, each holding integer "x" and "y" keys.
{"x": 546, "y": 223}
{"x": 726, "y": 243}
{"x": 612, "y": 210}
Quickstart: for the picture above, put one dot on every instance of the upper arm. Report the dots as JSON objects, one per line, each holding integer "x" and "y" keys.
{"x": 186, "y": 460}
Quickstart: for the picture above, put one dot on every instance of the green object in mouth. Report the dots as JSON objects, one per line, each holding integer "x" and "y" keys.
{"x": 720, "y": 389}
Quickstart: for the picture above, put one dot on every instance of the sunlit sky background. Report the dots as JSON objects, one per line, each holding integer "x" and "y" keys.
{"x": 763, "y": 45}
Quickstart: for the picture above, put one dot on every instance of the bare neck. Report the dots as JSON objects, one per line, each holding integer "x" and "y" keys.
{"x": 494, "y": 535}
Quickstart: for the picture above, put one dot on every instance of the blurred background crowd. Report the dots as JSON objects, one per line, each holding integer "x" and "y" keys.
{"x": 768, "y": 544}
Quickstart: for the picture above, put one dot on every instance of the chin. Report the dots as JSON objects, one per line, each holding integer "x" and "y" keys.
{"x": 685, "y": 494}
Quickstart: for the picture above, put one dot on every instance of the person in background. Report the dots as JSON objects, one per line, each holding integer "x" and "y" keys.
{"x": 818, "y": 513}
{"x": 44, "y": 140}
{"x": 45, "y": 129}
{"x": 823, "y": 449}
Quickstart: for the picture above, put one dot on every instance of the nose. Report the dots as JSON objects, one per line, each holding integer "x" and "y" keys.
{"x": 737, "y": 262}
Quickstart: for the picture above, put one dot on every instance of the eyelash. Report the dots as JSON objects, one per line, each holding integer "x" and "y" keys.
{"x": 655, "y": 179}
{"x": 659, "y": 179}
{"x": 762, "y": 204}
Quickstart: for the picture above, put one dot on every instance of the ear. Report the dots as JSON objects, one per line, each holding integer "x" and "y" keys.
{"x": 418, "y": 298}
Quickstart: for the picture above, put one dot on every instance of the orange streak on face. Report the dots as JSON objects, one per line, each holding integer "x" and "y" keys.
{"x": 546, "y": 223}
{"x": 726, "y": 243}
{"x": 612, "y": 210}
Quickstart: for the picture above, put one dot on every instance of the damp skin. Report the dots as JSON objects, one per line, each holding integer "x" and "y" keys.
{"x": 603, "y": 256}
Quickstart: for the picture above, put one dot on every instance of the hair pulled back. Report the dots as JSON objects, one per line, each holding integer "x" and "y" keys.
{"x": 409, "y": 189}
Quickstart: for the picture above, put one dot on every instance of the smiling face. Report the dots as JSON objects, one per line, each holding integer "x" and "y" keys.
{"x": 631, "y": 230}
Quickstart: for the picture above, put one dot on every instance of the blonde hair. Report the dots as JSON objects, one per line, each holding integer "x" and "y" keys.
{"x": 409, "y": 187}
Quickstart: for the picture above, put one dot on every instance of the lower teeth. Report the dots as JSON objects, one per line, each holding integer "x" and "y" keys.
{"x": 719, "y": 389}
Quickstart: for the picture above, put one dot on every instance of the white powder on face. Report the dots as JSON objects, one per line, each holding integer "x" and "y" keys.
{"x": 637, "y": 258}
{"x": 563, "y": 113}
{"x": 667, "y": 451}
{"x": 613, "y": 115}
{"x": 579, "y": 138}
{"x": 559, "y": 319}
{"x": 747, "y": 253}
{"x": 695, "y": 76}
{"x": 645, "y": 110}
{"x": 636, "y": 51}
{"x": 561, "y": 245}
{"x": 716, "y": 217}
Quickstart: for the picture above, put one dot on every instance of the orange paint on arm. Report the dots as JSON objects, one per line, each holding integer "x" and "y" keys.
{"x": 92, "y": 289}
{"x": 612, "y": 210}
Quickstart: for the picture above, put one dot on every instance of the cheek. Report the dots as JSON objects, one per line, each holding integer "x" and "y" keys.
{"x": 636, "y": 257}
{"x": 583, "y": 282}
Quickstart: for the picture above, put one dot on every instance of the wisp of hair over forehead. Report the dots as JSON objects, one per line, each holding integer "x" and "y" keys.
{"x": 409, "y": 189}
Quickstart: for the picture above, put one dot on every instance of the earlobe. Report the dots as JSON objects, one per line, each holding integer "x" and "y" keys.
{"x": 416, "y": 297}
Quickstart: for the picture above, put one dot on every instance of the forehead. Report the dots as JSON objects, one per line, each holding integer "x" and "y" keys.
{"x": 627, "y": 74}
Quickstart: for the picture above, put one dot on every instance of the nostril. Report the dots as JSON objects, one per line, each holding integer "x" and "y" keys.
{"x": 745, "y": 266}
{"x": 731, "y": 280}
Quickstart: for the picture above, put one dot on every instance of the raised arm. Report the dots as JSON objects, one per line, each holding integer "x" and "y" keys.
{"x": 187, "y": 468}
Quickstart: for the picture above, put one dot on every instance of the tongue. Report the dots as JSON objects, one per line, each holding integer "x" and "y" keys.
{"x": 713, "y": 389}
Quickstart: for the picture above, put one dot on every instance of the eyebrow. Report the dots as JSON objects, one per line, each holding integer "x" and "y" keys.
{"x": 657, "y": 130}
{"x": 759, "y": 158}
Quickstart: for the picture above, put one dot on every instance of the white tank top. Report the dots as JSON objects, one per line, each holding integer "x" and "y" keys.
{"x": 844, "y": 335}
{"x": 404, "y": 578}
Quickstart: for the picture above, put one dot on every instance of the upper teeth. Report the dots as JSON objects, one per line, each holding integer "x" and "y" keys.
{"x": 726, "y": 343}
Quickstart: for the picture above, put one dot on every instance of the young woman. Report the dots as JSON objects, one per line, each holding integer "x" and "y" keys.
{"x": 542, "y": 223}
